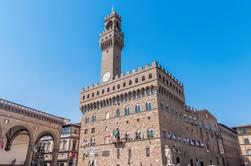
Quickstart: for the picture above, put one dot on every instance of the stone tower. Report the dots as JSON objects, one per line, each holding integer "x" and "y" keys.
{"x": 111, "y": 41}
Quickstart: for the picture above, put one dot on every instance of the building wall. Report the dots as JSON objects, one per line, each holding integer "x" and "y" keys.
{"x": 231, "y": 145}
{"x": 68, "y": 148}
{"x": 168, "y": 114}
{"x": 135, "y": 121}
{"x": 18, "y": 151}
{"x": 17, "y": 120}
{"x": 244, "y": 133}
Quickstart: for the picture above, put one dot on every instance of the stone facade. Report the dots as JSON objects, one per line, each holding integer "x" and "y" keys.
{"x": 21, "y": 128}
{"x": 244, "y": 136}
{"x": 129, "y": 119}
{"x": 68, "y": 147}
{"x": 231, "y": 146}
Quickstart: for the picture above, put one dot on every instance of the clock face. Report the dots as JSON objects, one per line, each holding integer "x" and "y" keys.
{"x": 106, "y": 76}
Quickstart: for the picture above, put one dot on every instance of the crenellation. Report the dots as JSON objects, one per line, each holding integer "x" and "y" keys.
{"x": 142, "y": 111}
{"x": 134, "y": 71}
{"x": 116, "y": 77}
{"x": 140, "y": 69}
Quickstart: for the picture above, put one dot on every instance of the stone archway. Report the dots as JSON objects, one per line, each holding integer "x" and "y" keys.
{"x": 12, "y": 133}
{"x": 16, "y": 120}
{"x": 54, "y": 146}
{"x": 17, "y": 140}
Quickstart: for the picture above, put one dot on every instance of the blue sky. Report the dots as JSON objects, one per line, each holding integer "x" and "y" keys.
{"x": 49, "y": 50}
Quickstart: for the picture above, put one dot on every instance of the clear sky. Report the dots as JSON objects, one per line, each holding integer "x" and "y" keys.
{"x": 49, "y": 50}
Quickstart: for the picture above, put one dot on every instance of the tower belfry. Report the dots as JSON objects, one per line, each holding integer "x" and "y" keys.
{"x": 111, "y": 41}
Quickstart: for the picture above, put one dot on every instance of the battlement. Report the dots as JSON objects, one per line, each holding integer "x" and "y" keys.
{"x": 140, "y": 69}
{"x": 112, "y": 14}
{"x": 189, "y": 108}
{"x": 169, "y": 74}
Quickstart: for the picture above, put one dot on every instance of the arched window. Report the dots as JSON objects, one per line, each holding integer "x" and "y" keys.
{"x": 92, "y": 163}
{"x": 94, "y": 119}
{"x": 147, "y": 152}
{"x": 246, "y": 141}
{"x": 137, "y": 108}
{"x": 93, "y": 130}
{"x": 93, "y": 141}
{"x": 117, "y": 113}
{"x": 86, "y": 131}
{"x": 148, "y": 106}
{"x": 177, "y": 160}
{"x": 107, "y": 115}
{"x": 143, "y": 78}
{"x": 130, "y": 82}
{"x": 150, "y": 76}
{"x": 150, "y": 133}
{"x": 136, "y": 80}
{"x": 191, "y": 162}
{"x": 127, "y": 111}
{"x": 164, "y": 134}
{"x": 87, "y": 120}
{"x": 127, "y": 136}
{"x": 138, "y": 135}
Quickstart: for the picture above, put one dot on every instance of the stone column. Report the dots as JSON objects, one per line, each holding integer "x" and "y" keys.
{"x": 55, "y": 155}
{"x": 29, "y": 153}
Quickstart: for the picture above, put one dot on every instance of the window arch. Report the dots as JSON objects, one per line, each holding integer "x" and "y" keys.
{"x": 147, "y": 150}
{"x": 93, "y": 130}
{"x": 127, "y": 111}
{"x": 150, "y": 76}
{"x": 138, "y": 135}
{"x": 87, "y": 120}
{"x": 150, "y": 133}
{"x": 117, "y": 113}
{"x": 137, "y": 108}
{"x": 86, "y": 131}
{"x": 107, "y": 115}
{"x": 246, "y": 141}
{"x": 178, "y": 160}
{"x": 93, "y": 141}
{"x": 130, "y": 82}
{"x": 127, "y": 136}
{"x": 143, "y": 78}
{"x": 94, "y": 118}
{"x": 148, "y": 106}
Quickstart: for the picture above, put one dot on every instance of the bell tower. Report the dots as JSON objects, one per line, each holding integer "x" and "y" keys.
{"x": 111, "y": 41}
